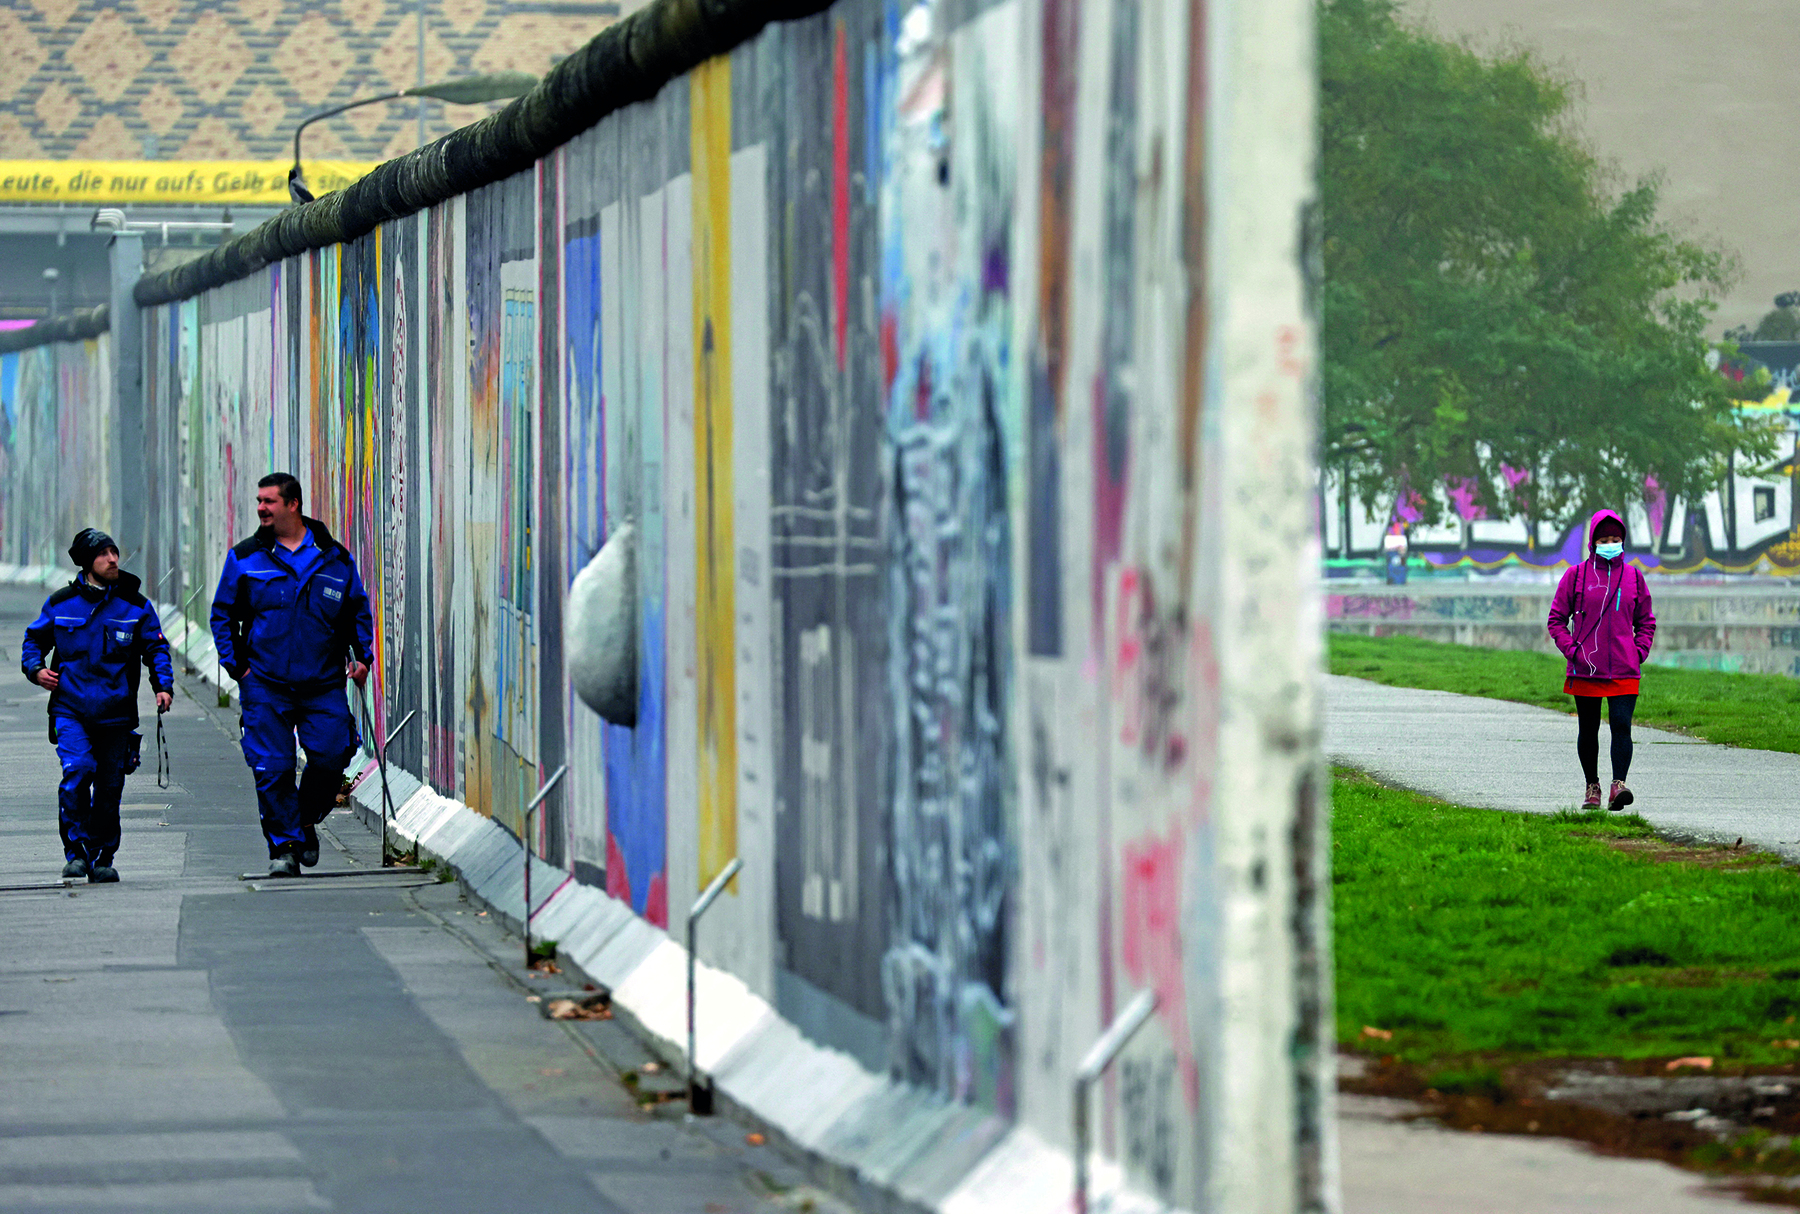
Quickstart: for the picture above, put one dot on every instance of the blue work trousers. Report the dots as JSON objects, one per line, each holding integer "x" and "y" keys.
{"x": 95, "y": 761}
{"x": 273, "y": 716}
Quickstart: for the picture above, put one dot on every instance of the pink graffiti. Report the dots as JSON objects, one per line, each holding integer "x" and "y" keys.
{"x": 1656, "y": 502}
{"x": 1151, "y": 919}
{"x": 618, "y": 880}
{"x": 618, "y": 885}
{"x": 1366, "y": 606}
{"x": 1409, "y": 507}
{"x": 1129, "y": 656}
{"x": 656, "y": 902}
{"x": 1463, "y": 492}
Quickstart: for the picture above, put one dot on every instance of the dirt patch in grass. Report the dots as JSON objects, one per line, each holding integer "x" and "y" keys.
{"x": 1705, "y": 855}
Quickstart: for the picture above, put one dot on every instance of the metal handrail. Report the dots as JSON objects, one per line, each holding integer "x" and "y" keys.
{"x": 699, "y": 1096}
{"x": 525, "y": 838}
{"x": 1100, "y": 1056}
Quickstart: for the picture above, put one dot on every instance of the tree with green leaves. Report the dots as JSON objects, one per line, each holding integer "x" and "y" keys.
{"x": 1498, "y": 317}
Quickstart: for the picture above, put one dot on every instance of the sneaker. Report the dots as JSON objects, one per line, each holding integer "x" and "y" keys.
{"x": 309, "y": 850}
{"x": 1620, "y": 796}
{"x": 102, "y": 873}
{"x": 1592, "y": 800}
{"x": 76, "y": 868}
{"x": 286, "y": 865}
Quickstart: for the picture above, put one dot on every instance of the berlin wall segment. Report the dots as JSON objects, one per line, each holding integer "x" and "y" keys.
{"x": 965, "y": 441}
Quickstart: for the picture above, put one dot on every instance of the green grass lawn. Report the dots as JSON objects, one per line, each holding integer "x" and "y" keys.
{"x": 1760, "y": 710}
{"x": 1473, "y": 932}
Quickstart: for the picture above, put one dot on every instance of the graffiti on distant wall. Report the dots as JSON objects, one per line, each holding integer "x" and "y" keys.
{"x": 1749, "y": 523}
{"x": 55, "y": 430}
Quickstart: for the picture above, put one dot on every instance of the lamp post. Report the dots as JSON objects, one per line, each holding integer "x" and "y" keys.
{"x": 471, "y": 90}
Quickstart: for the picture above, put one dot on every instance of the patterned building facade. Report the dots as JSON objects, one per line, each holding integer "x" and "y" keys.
{"x": 230, "y": 79}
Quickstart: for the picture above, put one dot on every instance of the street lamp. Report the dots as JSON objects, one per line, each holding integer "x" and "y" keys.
{"x": 471, "y": 90}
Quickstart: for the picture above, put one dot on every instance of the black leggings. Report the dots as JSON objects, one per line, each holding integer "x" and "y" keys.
{"x": 1587, "y": 737}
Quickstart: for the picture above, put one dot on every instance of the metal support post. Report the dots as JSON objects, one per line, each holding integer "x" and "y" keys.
{"x": 700, "y": 1095}
{"x": 525, "y": 838}
{"x": 187, "y": 630}
{"x": 387, "y": 801}
{"x": 1098, "y": 1059}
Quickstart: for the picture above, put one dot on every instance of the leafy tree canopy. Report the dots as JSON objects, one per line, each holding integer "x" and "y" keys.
{"x": 1496, "y": 317}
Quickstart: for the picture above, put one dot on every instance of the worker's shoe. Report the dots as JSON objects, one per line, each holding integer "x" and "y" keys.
{"x": 76, "y": 868}
{"x": 101, "y": 874}
{"x": 285, "y": 865}
{"x": 309, "y": 850}
{"x": 1592, "y": 800}
{"x": 1620, "y": 796}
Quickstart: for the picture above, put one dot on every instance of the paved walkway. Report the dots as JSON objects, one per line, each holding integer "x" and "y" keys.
{"x": 1396, "y": 1165}
{"x": 1501, "y": 755}
{"x": 184, "y": 1041}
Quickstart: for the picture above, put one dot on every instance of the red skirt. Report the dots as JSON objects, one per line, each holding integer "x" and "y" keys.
{"x": 1599, "y": 687}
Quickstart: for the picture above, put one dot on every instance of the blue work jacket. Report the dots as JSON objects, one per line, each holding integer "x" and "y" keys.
{"x": 99, "y": 636}
{"x": 293, "y": 630}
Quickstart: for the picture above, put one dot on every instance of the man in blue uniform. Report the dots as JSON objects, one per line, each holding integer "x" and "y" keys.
{"x": 290, "y": 620}
{"x": 99, "y": 628}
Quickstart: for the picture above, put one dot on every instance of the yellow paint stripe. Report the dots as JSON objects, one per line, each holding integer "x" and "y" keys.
{"x": 715, "y": 566}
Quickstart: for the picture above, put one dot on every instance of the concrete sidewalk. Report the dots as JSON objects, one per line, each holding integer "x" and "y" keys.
{"x": 1396, "y": 1164}
{"x": 187, "y": 1041}
{"x": 1500, "y": 755}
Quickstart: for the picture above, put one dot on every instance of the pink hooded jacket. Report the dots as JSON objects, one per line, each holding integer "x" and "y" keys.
{"x": 1600, "y": 618}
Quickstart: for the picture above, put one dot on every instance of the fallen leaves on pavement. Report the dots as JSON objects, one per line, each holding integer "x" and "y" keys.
{"x": 586, "y": 1009}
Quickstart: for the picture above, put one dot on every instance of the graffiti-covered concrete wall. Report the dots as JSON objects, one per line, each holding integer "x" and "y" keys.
{"x": 1748, "y": 626}
{"x": 1749, "y": 523}
{"x": 56, "y": 448}
{"x": 951, "y": 365}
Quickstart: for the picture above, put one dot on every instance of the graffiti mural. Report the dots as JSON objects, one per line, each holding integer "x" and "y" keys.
{"x": 1748, "y": 523}
{"x": 948, "y": 209}
{"x": 55, "y": 430}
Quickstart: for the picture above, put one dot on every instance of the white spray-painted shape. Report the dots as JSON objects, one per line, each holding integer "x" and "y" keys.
{"x": 601, "y": 629}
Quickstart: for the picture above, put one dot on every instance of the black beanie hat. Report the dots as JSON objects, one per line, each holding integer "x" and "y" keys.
{"x": 90, "y": 543}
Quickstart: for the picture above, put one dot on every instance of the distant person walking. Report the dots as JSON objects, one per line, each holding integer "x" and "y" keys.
{"x": 1601, "y": 621}
{"x": 85, "y": 648}
{"x": 291, "y": 620}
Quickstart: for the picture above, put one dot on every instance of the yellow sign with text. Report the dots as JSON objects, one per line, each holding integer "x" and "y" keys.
{"x": 248, "y": 182}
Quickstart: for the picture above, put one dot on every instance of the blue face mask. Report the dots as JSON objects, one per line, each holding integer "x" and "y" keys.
{"x": 1609, "y": 550}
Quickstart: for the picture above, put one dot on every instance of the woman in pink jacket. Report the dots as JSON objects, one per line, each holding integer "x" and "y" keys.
{"x": 1601, "y": 621}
